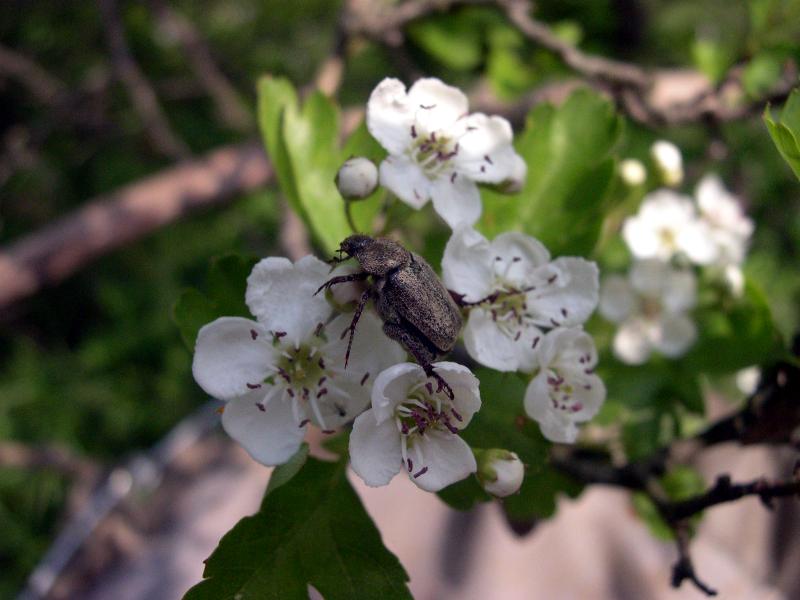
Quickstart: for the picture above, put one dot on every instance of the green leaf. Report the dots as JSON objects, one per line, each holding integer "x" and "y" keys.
{"x": 464, "y": 494}
{"x": 570, "y": 170}
{"x": 786, "y": 132}
{"x": 680, "y": 483}
{"x": 454, "y": 40}
{"x": 274, "y": 95}
{"x": 762, "y": 73}
{"x": 284, "y": 473}
{"x": 311, "y": 530}
{"x": 227, "y": 281}
{"x": 712, "y": 58}
{"x": 538, "y": 496}
{"x": 735, "y": 337}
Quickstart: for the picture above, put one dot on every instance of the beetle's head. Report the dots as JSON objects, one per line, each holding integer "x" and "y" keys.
{"x": 354, "y": 244}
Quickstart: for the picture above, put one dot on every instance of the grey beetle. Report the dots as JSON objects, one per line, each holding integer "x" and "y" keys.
{"x": 416, "y": 308}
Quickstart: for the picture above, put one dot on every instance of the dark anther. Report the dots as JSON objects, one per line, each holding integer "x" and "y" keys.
{"x": 254, "y": 386}
{"x": 410, "y": 465}
{"x": 487, "y": 159}
{"x": 564, "y": 312}
{"x": 364, "y": 378}
{"x": 535, "y": 342}
{"x": 253, "y": 333}
{"x": 413, "y": 131}
{"x": 554, "y": 322}
{"x": 304, "y": 422}
{"x": 429, "y": 107}
{"x": 322, "y": 392}
{"x": 278, "y": 334}
{"x": 422, "y": 471}
{"x": 552, "y": 278}
{"x": 456, "y": 414}
{"x": 260, "y": 407}
{"x": 453, "y": 177}
{"x": 318, "y": 330}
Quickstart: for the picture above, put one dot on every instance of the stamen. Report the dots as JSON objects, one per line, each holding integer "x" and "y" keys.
{"x": 487, "y": 159}
{"x": 554, "y": 322}
{"x": 318, "y": 330}
{"x": 328, "y": 431}
{"x": 260, "y": 407}
{"x": 552, "y": 278}
{"x": 321, "y": 380}
{"x": 429, "y": 107}
{"x": 322, "y": 392}
{"x": 564, "y": 312}
{"x": 452, "y": 180}
{"x": 519, "y": 333}
{"x": 304, "y": 422}
{"x": 413, "y": 131}
{"x": 410, "y": 465}
{"x": 456, "y": 415}
{"x": 535, "y": 342}
{"x": 253, "y": 334}
{"x": 278, "y": 335}
{"x": 290, "y": 391}
{"x": 364, "y": 378}
{"x": 422, "y": 471}
{"x": 254, "y": 386}
{"x": 321, "y": 363}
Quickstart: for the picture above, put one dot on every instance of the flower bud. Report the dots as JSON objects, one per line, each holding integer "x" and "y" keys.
{"x": 632, "y": 172}
{"x": 669, "y": 162}
{"x": 357, "y": 178}
{"x": 500, "y": 472}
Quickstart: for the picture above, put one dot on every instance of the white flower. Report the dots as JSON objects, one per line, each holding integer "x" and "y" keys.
{"x": 520, "y": 291}
{"x": 669, "y": 162}
{"x": 747, "y": 379}
{"x": 437, "y": 150}
{"x": 650, "y": 306}
{"x": 357, "y": 178}
{"x": 413, "y": 427}
{"x": 286, "y": 369}
{"x": 730, "y": 229}
{"x": 566, "y": 390}
{"x": 632, "y": 172}
{"x": 500, "y": 472}
{"x": 667, "y": 224}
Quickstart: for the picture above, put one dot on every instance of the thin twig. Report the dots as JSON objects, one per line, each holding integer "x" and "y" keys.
{"x": 228, "y": 104}
{"x": 49, "y": 457}
{"x": 43, "y": 86}
{"x": 141, "y": 93}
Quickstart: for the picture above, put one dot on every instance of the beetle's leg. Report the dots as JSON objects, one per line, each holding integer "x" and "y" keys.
{"x": 491, "y": 298}
{"x": 352, "y": 328}
{"x": 421, "y": 353}
{"x": 342, "y": 279}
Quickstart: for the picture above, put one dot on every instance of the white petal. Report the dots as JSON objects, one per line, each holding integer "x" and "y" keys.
{"x": 436, "y": 105}
{"x": 571, "y": 349}
{"x": 668, "y": 160}
{"x": 567, "y": 292}
{"x": 648, "y": 277}
{"x": 467, "y": 264}
{"x": 467, "y": 397}
{"x": 492, "y": 347}
{"x": 281, "y": 295}
{"x": 485, "y": 152}
{"x": 390, "y": 116}
{"x": 632, "y": 342}
{"x": 457, "y": 200}
{"x": 617, "y": 299}
{"x": 675, "y": 334}
{"x": 371, "y": 352}
{"x": 271, "y": 436}
{"x": 519, "y": 255}
{"x": 447, "y": 457}
{"x": 697, "y": 241}
{"x": 553, "y": 423}
{"x": 391, "y": 388}
{"x": 405, "y": 180}
{"x": 680, "y": 291}
{"x": 375, "y": 449}
{"x": 230, "y": 353}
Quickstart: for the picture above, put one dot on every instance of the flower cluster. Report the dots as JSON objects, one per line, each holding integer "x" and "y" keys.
{"x": 293, "y": 365}
{"x": 671, "y": 235}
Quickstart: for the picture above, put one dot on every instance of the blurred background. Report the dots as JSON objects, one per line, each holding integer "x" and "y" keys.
{"x": 149, "y": 108}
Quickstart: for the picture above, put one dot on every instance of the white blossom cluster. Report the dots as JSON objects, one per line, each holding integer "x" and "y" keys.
{"x": 288, "y": 368}
{"x": 671, "y": 236}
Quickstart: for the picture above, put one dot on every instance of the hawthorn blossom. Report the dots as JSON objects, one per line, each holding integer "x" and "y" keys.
{"x": 668, "y": 224}
{"x": 651, "y": 306}
{"x": 632, "y": 172}
{"x": 500, "y": 472}
{"x": 286, "y": 369}
{"x": 357, "y": 178}
{"x": 565, "y": 391}
{"x": 437, "y": 150}
{"x": 414, "y": 426}
{"x": 516, "y": 291}
{"x": 730, "y": 229}
{"x": 668, "y": 161}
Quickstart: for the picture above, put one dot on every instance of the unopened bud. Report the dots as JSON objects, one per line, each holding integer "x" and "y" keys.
{"x": 500, "y": 472}
{"x": 357, "y": 178}
{"x": 669, "y": 162}
{"x": 632, "y": 172}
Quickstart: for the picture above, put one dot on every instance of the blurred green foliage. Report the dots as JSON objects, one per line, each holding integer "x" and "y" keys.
{"x": 97, "y": 364}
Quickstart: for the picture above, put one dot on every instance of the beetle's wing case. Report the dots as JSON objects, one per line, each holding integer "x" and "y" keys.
{"x": 419, "y": 297}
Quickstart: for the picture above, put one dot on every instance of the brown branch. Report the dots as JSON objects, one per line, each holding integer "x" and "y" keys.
{"x": 55, "y": 458}
{"x": 141, "y": 93}
{"x": 228, "y": 104}
{"x": 43, "y": 86}
{"x": 111, "y": 221}
{"x": 683, "y": 568}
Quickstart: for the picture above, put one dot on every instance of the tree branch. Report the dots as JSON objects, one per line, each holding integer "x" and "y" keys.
{"x": 111, "y": 221}
{"x": 141, "y": 93}
{"x": 55, "y": 458}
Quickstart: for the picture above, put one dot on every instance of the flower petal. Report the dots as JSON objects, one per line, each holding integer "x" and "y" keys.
{"x": 567, "y": 293}
{"x": 271, "y": 436}
{"x": 674, "y": 335}
{"x": 371, "y": 352}
{"x": 391, "y": 388}
{"x": 485, "y": 152}
{"x": 390, "y": 116}
{"x": 436, "y": 105}
{"x": 632, "y": 341}
{"x": 467, "y": 264}
{"x": 680, "y": 291}
{"x": 375, "y": 449}
{"x": 281, "y": 295}
{"x": 447, "y": 458}
{"x": 554, "y": 424}
{"x": 231, "y": 353}
{"x": 516, "y": 256}
{"x": 457, "y": 200}
{"x": 617, "y": 298}
{"x": 405, "y": 180}
{"x": 493, "y": 347}
{"x": 467, "y": 397}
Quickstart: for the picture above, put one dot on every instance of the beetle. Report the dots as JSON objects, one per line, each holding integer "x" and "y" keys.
{"x": 416, "y": 309}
